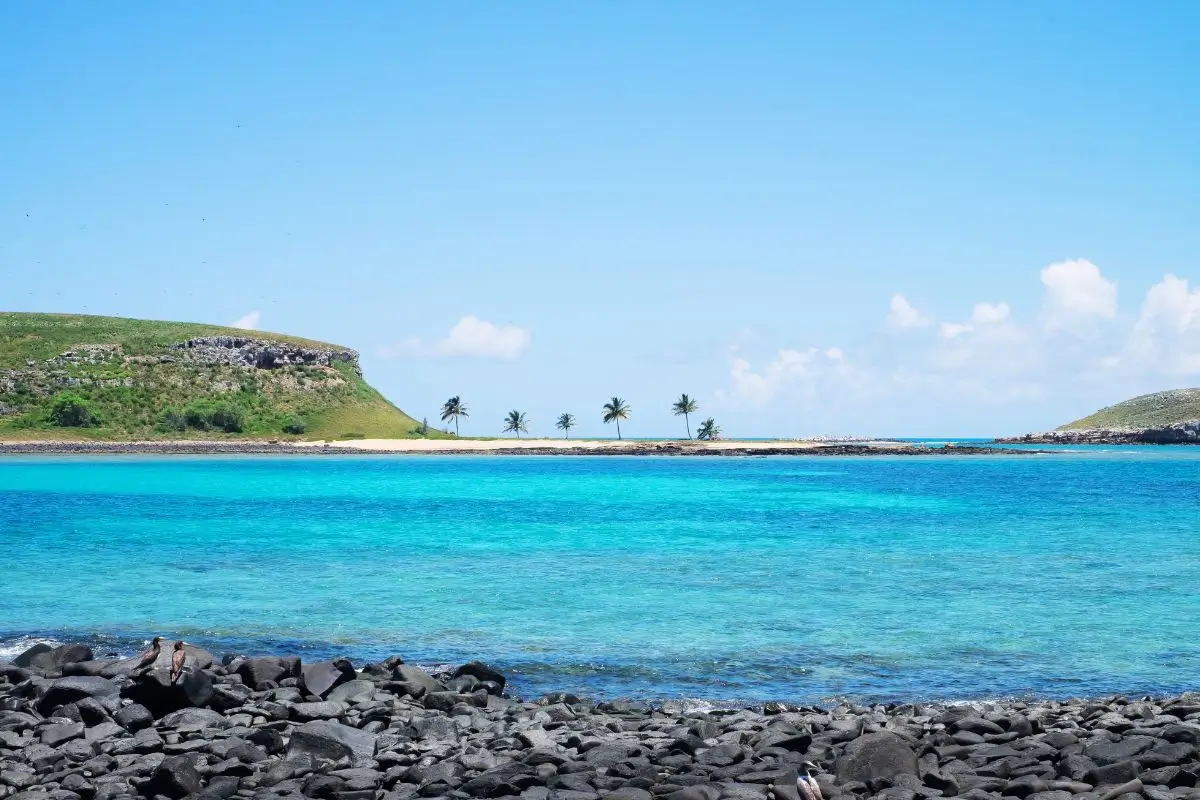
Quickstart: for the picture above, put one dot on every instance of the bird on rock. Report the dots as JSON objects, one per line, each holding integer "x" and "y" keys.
{"x": 177, "y": 659}
{"x": 806, "y": 788}
{"x": 807, "y": 784}
{"x": 150, "y": 656}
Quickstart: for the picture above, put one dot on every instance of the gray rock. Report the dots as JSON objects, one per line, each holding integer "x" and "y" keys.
{"x": 60, "y": 733}
{"x": 134, "y": 717}
{"x": 194, "y": 719}
{"x": 176, "y": 777}
{"x": 406, "y": 673}
{"x": 351, "y": 691}
{"x": 76, "y": 687}
{"x": 482, "y": 672}
{"x": 321, "y": 678}
{"x": 1121, "y": 772}
{"x": 44, "y": 658}
{"x": 326, "y": 709}
{"x": 874, "y": 756}
{"x": 331, "y": 741}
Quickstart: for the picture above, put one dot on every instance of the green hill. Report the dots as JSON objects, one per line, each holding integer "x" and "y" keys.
{"x": 68, "y": 376}
{"x": 1148, "y": 411}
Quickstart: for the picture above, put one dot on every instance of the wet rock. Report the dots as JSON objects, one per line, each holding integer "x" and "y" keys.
{"x": 482, "y": 672}
{"x": 44, "y": 658}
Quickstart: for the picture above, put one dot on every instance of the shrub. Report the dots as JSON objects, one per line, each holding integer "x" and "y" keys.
{"x": 294, "y": 425}
{"x": 70, "y": 410}
{"x": 210, "y": 415}
{"x": 174, "y": 419}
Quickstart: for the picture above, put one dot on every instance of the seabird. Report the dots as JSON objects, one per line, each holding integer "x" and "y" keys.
{"x": 180, "y": 655}
{"x": 150, "y": 656}
{"x": 807, "y": 784}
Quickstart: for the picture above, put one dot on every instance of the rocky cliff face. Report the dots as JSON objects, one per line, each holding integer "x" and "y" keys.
{"x": 260, "y": 353}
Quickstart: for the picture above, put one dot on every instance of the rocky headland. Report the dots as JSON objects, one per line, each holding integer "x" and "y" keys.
{"x": 77, "y": 728}
{"x": 1187, "y": 432}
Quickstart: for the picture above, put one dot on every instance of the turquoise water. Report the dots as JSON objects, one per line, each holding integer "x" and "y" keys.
{"x": 725, "y": 579}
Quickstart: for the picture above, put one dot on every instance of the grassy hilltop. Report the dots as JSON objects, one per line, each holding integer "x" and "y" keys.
{"x": 69, "y": 376}
{"x": 1148, "y": 411}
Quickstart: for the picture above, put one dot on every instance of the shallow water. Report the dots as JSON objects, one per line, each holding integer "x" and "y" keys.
{"x": 727, "y": 579}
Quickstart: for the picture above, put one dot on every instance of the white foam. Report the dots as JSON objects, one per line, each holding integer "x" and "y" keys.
{"x": 11, "y": 648}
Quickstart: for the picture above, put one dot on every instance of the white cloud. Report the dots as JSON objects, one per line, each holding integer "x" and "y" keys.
{"x": 1166, "y": 336}
{"x": 993, "y": 358}
{"x": 248, "y": 322}
{"x": 989, "y": 314}
{"x": 1077, "y": 295}
{"x": 952, "y": 330}
{"x": 902, "y": 316}
{"x": 794, "y": 372}
{"x": 472, "y": 337}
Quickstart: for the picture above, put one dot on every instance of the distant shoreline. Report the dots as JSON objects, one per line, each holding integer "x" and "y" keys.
{"x": 529, "y": 447}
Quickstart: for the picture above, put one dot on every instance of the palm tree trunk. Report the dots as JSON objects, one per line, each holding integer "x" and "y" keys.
{"x": 688, "y": 424}
{"x": 618, "y": 430}
{"x": 456, "y": 426}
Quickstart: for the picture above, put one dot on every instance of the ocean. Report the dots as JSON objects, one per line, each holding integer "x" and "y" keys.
{"x": 715, "y": 580}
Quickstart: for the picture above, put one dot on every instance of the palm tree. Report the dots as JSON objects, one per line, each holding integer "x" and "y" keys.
{"x": 565, "y": 423}
{"x": 616, "y": 410}
{"x": 453, "y": 409}
{"x": 685, "y": 405}
{"x": 708, "y": 430}
{"x": 516, "y": 422}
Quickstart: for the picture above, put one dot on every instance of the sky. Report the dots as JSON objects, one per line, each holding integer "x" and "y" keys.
{"x": 870, "y": 218}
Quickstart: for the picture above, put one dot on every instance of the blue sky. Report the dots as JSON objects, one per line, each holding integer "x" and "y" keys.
{"x": 875, "y": 218}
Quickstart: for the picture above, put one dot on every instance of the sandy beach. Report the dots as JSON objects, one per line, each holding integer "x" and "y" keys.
{"x": 627, "y": 445}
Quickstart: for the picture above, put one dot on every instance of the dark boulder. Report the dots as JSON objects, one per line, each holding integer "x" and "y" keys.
{"x": 25, "y": 659}
{"x": 875, "y": 756}
{"x": 321, "y": 678}
{"x": 134, "y": 717}
{"x": 328, "y": 740}
{"x": 176, "y": 777}
{"x": 77, "y": 687}
{"x": 155, "y": 691}
{"x": 406, "y": 673}
{"x": 257, "y": 671}
{"x": 481, "y": 671}
{"x": 1121, "y": 772}
{"x": 44, "y": 658}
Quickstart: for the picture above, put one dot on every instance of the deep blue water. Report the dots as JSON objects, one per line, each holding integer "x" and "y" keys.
{"x": 728, "y": 579}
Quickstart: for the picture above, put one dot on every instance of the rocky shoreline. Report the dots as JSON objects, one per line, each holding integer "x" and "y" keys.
{"x": 249, "y": 447}
{"x": 1180, "y": 433}
{"x": 76, "y": 728}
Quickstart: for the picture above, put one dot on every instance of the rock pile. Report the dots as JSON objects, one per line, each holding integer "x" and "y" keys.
{"x": 75, "y": 728}
{"x": 260, "y": 353}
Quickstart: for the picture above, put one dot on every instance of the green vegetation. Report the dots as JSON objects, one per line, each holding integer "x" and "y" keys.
{"x": 565, "y": 423}
{"x": 685, "y": 405}
{"x": 516, "y": 422}
{"x": 69, "y": 410}
{"x": 708, "y": 431}
{"x": 83, "y": 377}
{"x": 1148, "y": 411}
{"x": 453, "y": 409}
{"x": 616, "y": 410}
